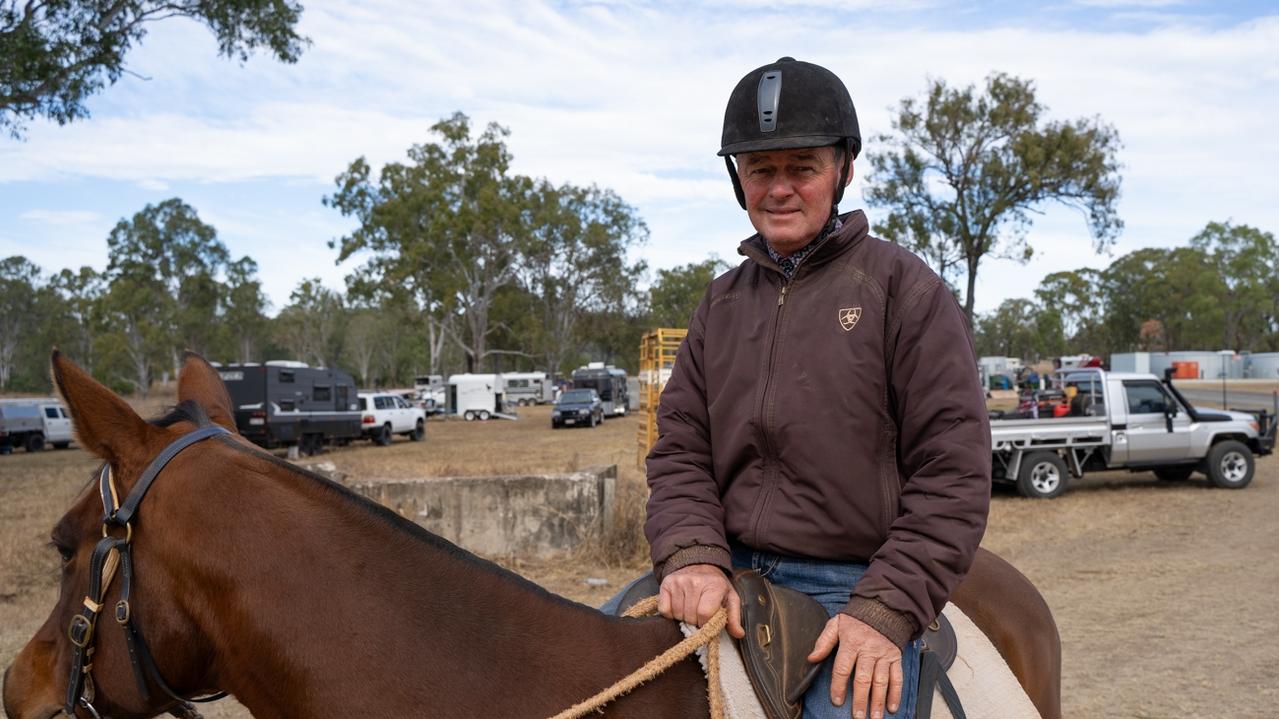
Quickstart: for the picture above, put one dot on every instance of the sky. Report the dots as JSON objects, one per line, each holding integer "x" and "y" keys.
{"x": 630, "y": 95}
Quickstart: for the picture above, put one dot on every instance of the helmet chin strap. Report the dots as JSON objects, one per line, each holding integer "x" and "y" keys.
{"x": 737, "y": 181}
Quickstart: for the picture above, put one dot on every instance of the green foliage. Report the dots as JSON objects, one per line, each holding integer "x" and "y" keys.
{"x": 966, "y": 169}
{"x": 485, "y": 252}
{"x": 675, "y": 295}
{"x": 56, "y": 53}
{"x": 1221, "y": 291}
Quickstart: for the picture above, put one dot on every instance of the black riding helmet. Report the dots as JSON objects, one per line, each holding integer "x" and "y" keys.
{"x": 785, "y": 105}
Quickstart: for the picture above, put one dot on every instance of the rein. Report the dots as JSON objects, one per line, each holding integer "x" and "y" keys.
{"x": 707, "y": 636}
{"x": 113, "y": 554}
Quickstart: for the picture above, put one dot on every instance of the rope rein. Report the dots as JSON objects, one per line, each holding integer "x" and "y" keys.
{"x": 707, "y": 635}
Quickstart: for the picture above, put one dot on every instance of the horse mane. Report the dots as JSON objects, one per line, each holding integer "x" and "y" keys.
{"x": 376, "y": 512}
{"x": 184, "y": 411}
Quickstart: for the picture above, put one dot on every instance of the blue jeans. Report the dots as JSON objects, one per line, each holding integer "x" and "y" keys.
{"x": 831, "y": 584}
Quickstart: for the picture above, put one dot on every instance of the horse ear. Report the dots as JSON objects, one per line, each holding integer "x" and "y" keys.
{"x": 201, "y": 383}
{"x": 104, "y": 423}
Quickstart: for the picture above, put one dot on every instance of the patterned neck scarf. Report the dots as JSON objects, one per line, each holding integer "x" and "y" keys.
{"x": 790, "y": 263}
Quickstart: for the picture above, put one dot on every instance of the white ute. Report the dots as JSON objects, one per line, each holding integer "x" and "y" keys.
{"x": 1128, "y": 421}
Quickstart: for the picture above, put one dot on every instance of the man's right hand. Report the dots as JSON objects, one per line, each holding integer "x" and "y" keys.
{"x": 694, "y": 593}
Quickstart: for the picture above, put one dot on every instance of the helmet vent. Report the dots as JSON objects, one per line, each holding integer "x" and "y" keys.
{"x": 770, "y": 92}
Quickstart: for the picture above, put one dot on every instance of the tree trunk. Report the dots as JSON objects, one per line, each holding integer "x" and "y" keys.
{"x": 972, "y": 284}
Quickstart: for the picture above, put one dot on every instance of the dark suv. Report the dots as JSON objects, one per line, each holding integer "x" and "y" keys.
{"x": 577, "y": 407}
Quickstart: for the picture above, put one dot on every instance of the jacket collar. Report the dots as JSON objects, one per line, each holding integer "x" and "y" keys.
{"x": 855, "y": 228}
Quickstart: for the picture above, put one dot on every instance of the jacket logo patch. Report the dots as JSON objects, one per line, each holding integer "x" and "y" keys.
{"x": 848, "y": 317}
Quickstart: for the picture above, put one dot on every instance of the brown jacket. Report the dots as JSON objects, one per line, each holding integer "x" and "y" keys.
{"x": 835, "y": 416}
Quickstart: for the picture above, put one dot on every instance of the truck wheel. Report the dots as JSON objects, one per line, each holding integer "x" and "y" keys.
{"x": 484, "y": 415}
{"x": 383, "y": 436}
{"x": 468, "y": 415}
{"x": 419, "y": 431}
{"x": 1230, "y": 464}
{"x": 1178, "y": 473}
{"x": 35, "y": 442}
{"x": 1043, "y": 475}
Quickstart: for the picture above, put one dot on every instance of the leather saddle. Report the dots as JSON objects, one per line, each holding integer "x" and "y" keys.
{"x": 781, "y": 627}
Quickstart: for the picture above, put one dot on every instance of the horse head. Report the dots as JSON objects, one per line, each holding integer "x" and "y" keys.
{"x": 143, "y": 592}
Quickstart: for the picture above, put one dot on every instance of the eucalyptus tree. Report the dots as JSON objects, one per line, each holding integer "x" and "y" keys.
{"x": 965, "y": 169}
{"x": 244, "y": 310}
{"x": 576, "y": 260}
{"x": 1246, "y": 261}
{"x": 450, "y": 223}
{"x": 82, "y": 293}
{"x": 54, "y": 54}
{"x": 165, "y": 267}
{"x": 19, "y": 282}
{"x": 675, "y": 294}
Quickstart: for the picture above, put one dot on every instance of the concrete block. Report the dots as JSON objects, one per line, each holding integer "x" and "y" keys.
{"x": 530, "y": 515}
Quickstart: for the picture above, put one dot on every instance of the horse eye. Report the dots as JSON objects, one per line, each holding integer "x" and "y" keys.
{"x": 66, "y": 553}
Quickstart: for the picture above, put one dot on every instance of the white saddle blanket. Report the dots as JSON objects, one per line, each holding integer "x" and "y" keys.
{"x": 986, "y": 686}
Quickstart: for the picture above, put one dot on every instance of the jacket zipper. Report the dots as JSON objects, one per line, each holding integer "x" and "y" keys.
{"x": 770, "y": 472}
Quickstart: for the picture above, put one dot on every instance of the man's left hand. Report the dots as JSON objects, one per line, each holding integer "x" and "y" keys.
{"x": 876, "y": 661}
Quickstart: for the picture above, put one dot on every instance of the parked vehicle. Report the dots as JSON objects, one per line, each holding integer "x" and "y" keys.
{"x": 384, "y": 414}
{"x": 433, "y": 392}
{"x": 580, "y": 407}
{"x": 290, "y": 403}
{"x": 607, "y": 381}
{"x": 528, "y": 388}
{"x": 1131, "y": 421}
{"x": 32, "y": 423}
{"x": 477, "y": 396}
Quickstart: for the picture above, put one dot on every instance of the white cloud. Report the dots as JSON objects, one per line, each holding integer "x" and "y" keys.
{"x": 61, "y": 217}
{"x": 630, "y": 96}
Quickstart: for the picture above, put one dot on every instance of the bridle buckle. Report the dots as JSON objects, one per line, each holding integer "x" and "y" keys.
{"x": 80, "y": 631}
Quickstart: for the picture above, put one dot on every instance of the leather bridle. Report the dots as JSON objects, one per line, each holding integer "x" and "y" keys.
{"x": 113, "y": 553}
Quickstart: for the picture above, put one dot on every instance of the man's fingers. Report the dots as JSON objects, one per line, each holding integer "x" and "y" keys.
{"x": 826, "y": 641}
{"x": 708, "y": 604}
{"x": 735, "y": 615}
{"x": 664, "y": 602}
{"x": 879, "y": 683}
{"x": 895, "y": 682}
{"x": 841, "y": 670}
{"x": 862, "y": 678}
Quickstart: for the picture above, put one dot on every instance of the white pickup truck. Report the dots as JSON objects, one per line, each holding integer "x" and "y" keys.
{"x": 384, "y": 414}
{"x": 31, "y": 423}
{"x": 1127, "y": 421}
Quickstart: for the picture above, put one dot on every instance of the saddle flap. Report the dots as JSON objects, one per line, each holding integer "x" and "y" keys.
{"x": 939, "y": 638}
{"x": 781, "y": 627}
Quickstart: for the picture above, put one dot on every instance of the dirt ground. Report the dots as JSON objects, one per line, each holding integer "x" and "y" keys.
{"x": 1165, "y": 594}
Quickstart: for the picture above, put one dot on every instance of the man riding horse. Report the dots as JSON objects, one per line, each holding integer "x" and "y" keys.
{"x": 824, "y": 423}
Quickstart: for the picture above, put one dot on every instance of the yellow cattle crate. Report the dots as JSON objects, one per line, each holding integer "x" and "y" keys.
{"x": 657, "y": 357}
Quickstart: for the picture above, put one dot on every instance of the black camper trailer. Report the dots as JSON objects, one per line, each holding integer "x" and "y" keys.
{"x": 286, "y": 403}
{"x": 608, "y": 382}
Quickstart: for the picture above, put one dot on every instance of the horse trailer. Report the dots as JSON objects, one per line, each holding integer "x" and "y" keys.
{"x": 476, "y": 396}
{"x": 290, "y": 403}
{"x": 528, "y": 388}
{"x": 607, "y": 381}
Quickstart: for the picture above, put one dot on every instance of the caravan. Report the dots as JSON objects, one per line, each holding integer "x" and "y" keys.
{"x": 607, "y": 381}
{"x": 529, "y": 388}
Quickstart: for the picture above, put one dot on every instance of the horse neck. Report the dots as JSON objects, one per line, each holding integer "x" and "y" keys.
{"x": 321, "y": 604}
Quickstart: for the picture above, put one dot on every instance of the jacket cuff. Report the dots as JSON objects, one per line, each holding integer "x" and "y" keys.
{"x": 695, "y": 554}
{"x": 898, "y": 627}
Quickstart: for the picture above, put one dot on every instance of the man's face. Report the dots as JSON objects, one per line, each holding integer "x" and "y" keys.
{"x": 789, "y": 193}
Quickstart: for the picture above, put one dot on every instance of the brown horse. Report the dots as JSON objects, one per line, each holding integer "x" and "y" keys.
{"x": 299, "y": 598}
